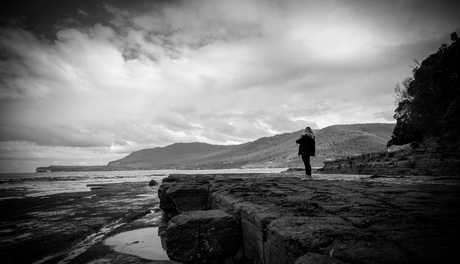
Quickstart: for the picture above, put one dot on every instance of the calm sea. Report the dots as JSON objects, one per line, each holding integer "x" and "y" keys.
{"x": 20, "y": 185}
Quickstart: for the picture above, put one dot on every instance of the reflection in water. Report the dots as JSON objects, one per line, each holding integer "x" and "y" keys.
{"x": 144, "y": 243}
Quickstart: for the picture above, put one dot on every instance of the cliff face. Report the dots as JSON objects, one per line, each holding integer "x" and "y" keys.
{"x": 282, "y": 220}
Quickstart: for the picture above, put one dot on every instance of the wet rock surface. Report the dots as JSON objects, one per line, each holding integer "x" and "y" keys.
{"x": 364, "y": 220}
{"x": 71, "y": 227}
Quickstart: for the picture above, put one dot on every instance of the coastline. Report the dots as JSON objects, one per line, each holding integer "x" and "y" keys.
{"x": 47, "y": 216}
{"x": 71, "y": 227}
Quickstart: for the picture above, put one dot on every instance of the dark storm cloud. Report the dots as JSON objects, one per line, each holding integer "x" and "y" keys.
{"x": 116, "y": 76}
{"x": 47, "y": 17}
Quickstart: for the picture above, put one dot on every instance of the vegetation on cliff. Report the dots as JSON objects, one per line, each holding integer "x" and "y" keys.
{"x": 429, "y": 102}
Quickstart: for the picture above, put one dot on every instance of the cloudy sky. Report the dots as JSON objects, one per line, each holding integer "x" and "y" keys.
{"x": 86, "y": 82}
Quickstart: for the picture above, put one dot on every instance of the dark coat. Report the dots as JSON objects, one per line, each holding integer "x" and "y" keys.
{"x": 306, "y": 145}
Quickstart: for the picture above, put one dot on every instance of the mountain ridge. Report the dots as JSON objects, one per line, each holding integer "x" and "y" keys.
{"x": 275, "y": 151}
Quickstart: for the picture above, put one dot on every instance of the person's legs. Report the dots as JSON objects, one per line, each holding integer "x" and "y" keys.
{"x": 306, "y": 161}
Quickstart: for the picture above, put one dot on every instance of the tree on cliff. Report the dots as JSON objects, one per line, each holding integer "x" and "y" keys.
{"x": 429, "y": 102}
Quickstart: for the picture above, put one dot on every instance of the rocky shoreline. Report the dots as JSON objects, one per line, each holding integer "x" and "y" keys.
{"x": 72, "y": 227}
{"x": 409, "y": 161}
{"x": 243, "y": 218}
{"x": 281, "y": 219}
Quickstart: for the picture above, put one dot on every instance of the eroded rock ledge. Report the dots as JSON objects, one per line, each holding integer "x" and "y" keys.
{"x": 281, "y": 219}
{"x": 419, "y": 161}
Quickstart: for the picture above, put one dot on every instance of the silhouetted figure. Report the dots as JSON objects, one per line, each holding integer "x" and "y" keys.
{"x": 454, "y": 36}
{"x": 307, "y": 148}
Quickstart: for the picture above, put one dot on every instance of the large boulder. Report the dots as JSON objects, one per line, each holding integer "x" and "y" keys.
{"x": 189, "y": 197}
{"x": 178, "y": 197}
{"x": 202, "y": 236}
{"x": 153, "y": 183}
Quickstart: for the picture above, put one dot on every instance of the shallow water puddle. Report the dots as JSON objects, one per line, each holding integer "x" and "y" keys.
{"x": 144, "y": 243}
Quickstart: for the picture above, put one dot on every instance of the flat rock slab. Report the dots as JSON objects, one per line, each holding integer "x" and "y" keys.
{"x": 365, "y": 220}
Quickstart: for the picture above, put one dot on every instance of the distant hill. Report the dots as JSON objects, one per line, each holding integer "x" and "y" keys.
{"x": 276, "y": 151}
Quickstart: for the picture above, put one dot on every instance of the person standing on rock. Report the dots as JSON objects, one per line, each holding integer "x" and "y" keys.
{"x": 307, "y": 148}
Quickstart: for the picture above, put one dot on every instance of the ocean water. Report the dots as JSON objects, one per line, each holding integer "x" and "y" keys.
{"x": 21, "y": 185}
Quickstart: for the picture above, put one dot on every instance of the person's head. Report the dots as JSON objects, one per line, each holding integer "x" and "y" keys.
{"x": 309, "y": 132}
